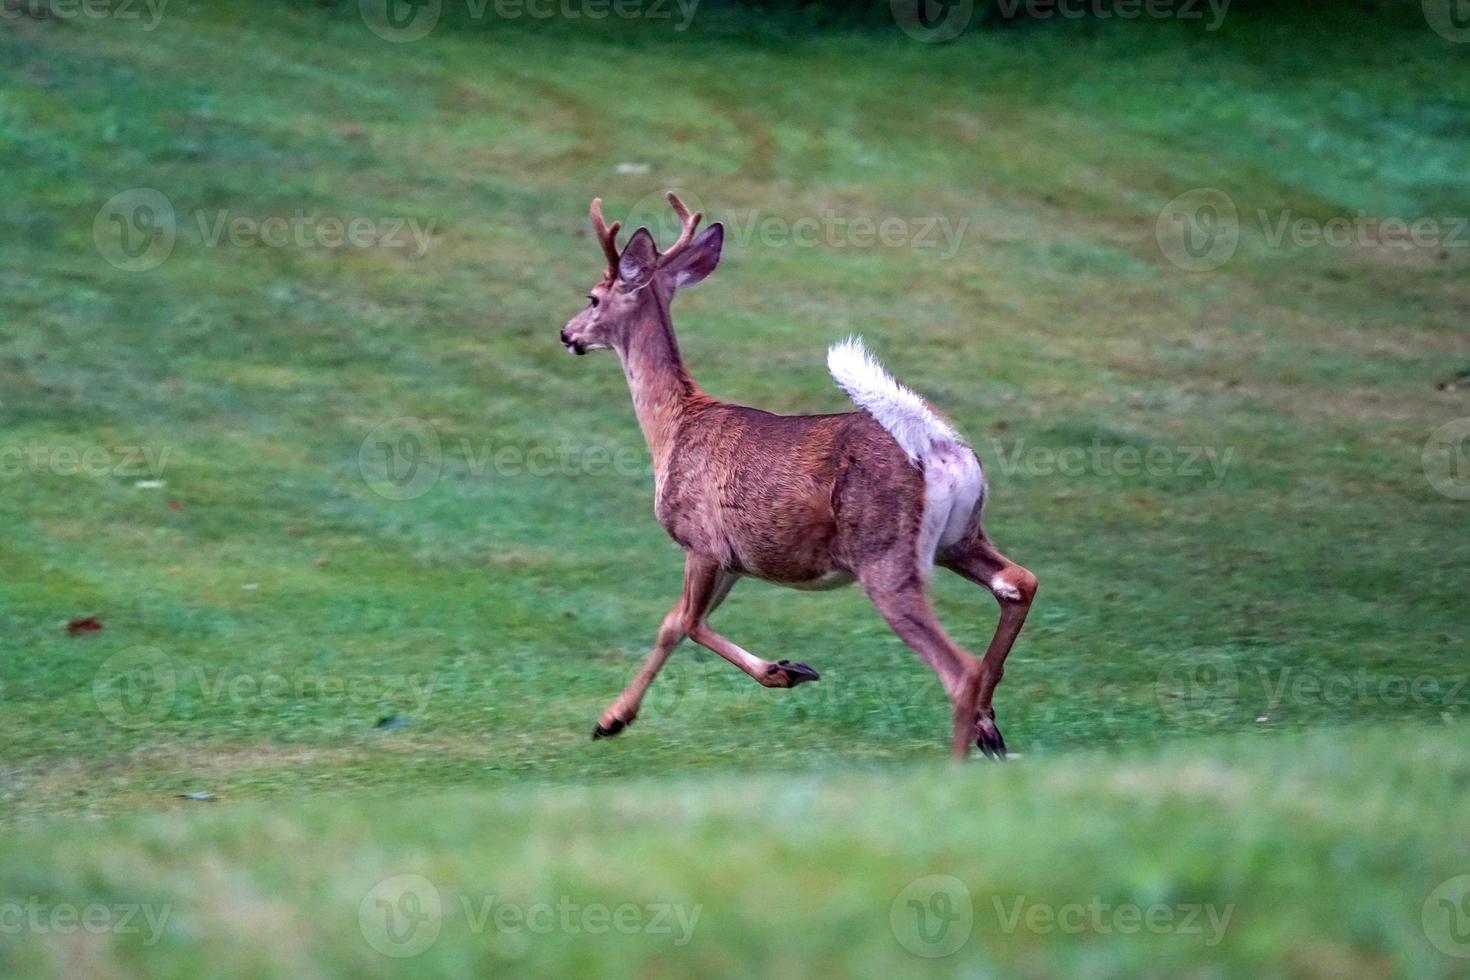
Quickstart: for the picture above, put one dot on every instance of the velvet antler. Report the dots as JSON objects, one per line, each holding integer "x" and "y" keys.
{"x": 607, "y": 235}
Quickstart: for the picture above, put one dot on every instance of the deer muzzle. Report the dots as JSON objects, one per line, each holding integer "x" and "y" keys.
{"x": 572, "y": 346}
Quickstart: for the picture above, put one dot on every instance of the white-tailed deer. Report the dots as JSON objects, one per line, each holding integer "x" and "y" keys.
{"x": 878, "y": 496}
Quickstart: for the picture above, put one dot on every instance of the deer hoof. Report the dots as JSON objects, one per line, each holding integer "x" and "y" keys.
{"x": 608, "y": 731}
{"x": 784, "y": 673}
{"x": 988, "y": 738}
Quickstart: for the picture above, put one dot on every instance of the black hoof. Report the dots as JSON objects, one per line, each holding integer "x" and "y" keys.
{"x": 608, "y": 731}
{"x": 793, "y": 674}
{"x": 988, "y": 738}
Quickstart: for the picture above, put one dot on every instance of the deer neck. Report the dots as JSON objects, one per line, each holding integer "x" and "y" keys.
{"x": 662, "y": 388}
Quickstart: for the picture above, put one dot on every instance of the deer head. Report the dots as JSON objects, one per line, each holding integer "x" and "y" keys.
{"x": 640, "y": 280}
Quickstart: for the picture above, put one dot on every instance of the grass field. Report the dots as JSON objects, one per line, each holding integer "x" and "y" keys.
{"x": 370, "y": 553}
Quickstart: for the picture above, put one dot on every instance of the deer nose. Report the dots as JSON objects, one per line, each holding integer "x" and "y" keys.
{"x": 574, "y": 346}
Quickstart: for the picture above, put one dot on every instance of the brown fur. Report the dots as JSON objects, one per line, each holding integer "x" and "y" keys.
{"x": 805, "y": 501}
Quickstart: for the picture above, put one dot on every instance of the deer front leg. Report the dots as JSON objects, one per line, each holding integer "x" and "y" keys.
{"x": 620, "y": 713}
{"x": 703, "y": 592}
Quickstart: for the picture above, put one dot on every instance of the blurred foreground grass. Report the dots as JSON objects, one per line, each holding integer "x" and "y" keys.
{"x": 1301, "y": 856}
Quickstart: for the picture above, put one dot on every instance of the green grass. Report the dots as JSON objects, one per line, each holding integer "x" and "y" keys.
{"x": 1236, "y": 857}
{"x": 1315, "y": 582}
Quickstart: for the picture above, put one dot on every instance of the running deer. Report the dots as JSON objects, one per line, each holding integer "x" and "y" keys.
{"x": 879, "y": 495}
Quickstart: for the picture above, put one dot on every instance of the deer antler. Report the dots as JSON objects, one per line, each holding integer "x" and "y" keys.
{"x": 607, "y": 235}
{"x": 689, "y": 222}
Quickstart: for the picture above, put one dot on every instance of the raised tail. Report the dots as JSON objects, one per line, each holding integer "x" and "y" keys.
{"x": 906, "y": 416}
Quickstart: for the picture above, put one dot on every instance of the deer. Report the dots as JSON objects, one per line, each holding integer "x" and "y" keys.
{"x": 878, "y": 496}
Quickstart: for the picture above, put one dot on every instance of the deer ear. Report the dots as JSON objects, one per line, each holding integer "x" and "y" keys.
{"x": 698, "y": 259}
{"x": 639, "y": 257}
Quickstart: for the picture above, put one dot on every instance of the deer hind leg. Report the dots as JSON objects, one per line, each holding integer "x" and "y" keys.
{"x": 896, "y": 588}
{"x": 1013, "y": 587}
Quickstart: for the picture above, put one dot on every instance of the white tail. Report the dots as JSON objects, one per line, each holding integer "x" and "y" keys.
{"x": 900, "y": 410}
